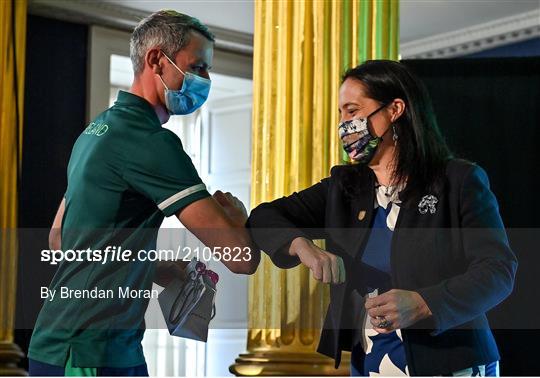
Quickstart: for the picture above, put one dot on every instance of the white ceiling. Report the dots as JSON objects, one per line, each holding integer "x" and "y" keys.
{"x": 425, "y": 18}
{"x": 229, "y": 14}
{"x": 418, "y": 19}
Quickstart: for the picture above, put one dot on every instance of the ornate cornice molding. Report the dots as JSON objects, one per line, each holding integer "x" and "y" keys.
{"x": 480, "y": 37}
{"x": 99, "y": 12}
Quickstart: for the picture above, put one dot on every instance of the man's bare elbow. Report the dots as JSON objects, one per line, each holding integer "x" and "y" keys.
{"x": 251, "y": 268}
{"x": 246, "y": 267}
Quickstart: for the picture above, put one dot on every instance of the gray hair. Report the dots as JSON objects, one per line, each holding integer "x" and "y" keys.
{"x": 165, "y": 29}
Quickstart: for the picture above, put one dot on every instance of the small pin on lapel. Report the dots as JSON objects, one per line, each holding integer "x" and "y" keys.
{"x": 361, "y": 215}
{"x": 428, "y": 203}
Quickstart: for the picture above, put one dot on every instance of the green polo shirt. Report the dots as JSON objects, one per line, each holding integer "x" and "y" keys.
{"x": 125, "y": 174}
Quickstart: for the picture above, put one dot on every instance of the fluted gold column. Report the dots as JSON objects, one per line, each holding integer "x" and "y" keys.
{"x": 301, "y": 50}
{"x": 12, "y": 45}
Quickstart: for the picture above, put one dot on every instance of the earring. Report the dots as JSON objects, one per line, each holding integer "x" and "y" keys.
{"x": 394, "y": 136}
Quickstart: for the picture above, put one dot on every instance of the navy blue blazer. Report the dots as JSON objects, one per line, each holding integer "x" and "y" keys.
{"x": 457, "y": 258}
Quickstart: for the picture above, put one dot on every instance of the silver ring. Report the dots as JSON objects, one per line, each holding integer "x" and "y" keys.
{"x": 384, "y": 323}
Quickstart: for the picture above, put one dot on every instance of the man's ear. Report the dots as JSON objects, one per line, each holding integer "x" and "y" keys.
{"x": 152, "y": 60}
{"x": 397, "y": 108}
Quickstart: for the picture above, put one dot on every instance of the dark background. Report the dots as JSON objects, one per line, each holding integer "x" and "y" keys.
{"x": 54, "y": 116}
{"x": 487, "y": 108}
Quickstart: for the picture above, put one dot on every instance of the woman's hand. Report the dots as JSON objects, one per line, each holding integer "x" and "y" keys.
{"x": 400, "y": 309}
{"x": 325, "y": 266}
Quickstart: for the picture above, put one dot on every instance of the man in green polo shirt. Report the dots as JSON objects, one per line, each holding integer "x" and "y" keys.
{"x": 125, "y": 174}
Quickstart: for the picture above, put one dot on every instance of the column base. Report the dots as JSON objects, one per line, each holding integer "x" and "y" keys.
{"x": 289, "y": 364}
{"x": 10, "y": 355}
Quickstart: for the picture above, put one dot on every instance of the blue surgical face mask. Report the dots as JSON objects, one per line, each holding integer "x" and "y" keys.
{"x": 190, "y": 97}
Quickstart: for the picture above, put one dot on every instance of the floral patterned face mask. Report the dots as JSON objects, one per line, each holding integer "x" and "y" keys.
{"x": 364, "y": 145}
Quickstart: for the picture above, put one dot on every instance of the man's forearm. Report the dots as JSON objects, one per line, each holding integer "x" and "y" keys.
{"x": 55, "y": 239}
{"x": 55, "y": 235}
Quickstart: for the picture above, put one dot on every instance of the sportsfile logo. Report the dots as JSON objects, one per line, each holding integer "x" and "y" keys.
{"x": 119, "y": 254}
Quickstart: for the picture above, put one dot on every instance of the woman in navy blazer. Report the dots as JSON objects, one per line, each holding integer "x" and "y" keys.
{"x": 416, "y": 251}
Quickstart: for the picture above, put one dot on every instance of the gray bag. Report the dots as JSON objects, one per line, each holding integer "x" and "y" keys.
{"x": 188, "y": 306}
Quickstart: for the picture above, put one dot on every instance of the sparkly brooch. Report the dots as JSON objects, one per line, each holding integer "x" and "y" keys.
{"x": 427, "y": 203}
